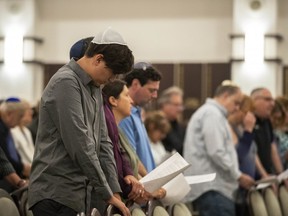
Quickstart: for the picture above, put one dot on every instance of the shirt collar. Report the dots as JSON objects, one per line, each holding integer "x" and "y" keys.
{"x": 136, "y": 109}
{"x": 84, "y": 77}
{"x": 213, "y": 102}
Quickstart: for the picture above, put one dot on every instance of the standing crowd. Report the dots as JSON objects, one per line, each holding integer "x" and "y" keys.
{"x": 90, "y": 139}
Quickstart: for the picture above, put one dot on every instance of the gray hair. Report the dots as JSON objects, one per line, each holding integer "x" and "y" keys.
{"x": 167, "y": 93}
{"x": 227, "y": 86}
{"x": 256, "y": 92}
{"x": 6, "y": 107}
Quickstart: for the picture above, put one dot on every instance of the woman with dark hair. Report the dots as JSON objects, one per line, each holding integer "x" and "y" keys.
{"x": 117, "y": 95}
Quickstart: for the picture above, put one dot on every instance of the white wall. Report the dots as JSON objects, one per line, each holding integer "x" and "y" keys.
{"x": 18, "y": 79}
{"x": 283, "y": 30}
{"x": 161, "y": 40}
{"x": 257, "y": 73}
{"x": 156, "y": 31}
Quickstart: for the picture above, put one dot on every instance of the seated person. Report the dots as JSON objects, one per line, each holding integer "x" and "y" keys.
{"x": 157, "y": 126}
{"x": 22, "y": 136}
{"x": 8, "y": 175}
{"x": 11, "y": 113}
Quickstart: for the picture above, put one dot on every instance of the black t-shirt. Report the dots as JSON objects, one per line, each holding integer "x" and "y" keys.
{"x": 263, "y": 136}
{"x": 175, "y": 138}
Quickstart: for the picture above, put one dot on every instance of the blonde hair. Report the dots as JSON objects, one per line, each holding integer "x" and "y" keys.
{"x": 246, "y": 104}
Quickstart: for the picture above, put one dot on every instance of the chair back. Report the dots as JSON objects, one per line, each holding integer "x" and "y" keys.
{"x": 95, "y": 212}
{"x": 4, "y": 193}
{"x": 137, "y": 212}
{"x": 20, "y": 197}
{"x": 8, "y": 207}
{"x": 112, "y": 211}
{"x": 256, "y": 204}
{"x": 271, "y": 202}
{"x": 156, "y": 208}
{"x": 283, "y": 198}
{"x": 179, "y": 209}
{"x": 135, "y": 209}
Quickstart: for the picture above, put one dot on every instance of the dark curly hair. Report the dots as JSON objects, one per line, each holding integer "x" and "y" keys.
{"x": 149, "y": 74}
{"x": 118, "y": 58}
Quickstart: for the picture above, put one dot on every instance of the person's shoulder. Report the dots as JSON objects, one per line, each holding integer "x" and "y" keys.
{"x": 126, "y": 121}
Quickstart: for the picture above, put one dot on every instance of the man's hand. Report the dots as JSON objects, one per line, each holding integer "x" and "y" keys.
{"x": 159, "y": 194}
{"x": 246, "y": 181}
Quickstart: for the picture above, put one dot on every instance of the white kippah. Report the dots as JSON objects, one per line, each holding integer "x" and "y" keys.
{"x": 142, "y": 65}
{"x": 109, "y": 36}
{"x": 228, "y": 83}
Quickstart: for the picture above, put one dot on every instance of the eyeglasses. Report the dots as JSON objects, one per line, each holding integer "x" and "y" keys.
{"x": 266, "y": 98}
{"x": 177, "y": 105}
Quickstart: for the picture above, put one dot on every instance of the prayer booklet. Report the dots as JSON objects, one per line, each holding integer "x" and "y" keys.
{"x": 169, "y": 176}
{"x": 175, "y": 194}
{"x": 266, "y": 182}
{"x": 165, "y": 172}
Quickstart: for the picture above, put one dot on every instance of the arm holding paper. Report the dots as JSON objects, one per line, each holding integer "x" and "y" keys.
{"x": 168, "y": 175}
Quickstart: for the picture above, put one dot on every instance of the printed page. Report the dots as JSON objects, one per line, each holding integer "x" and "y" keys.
{"x": 263, "y": 185}
{"x": 174, "y": 193}
{"x": 164, "y": 172}
{"x": 200, "y": 178}
{"x": 283, "y": 175}
{"x": 270, "y": 179}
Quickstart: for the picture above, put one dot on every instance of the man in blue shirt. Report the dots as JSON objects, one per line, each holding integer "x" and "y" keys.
{"x": 143, "y": 83}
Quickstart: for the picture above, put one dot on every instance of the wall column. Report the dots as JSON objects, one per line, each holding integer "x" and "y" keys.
{"x": 256, "y": 22}
{"x": 17, "y": 34}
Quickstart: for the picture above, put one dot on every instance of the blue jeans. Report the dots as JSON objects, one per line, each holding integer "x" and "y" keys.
{"x": 212, "y": 203}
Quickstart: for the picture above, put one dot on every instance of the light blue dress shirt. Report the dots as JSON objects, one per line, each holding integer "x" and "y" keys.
{"x": 209, "y": 148}
{"x": 135, "y": 131}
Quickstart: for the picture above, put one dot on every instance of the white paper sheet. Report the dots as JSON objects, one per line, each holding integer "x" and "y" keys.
{"x": 166, "y": 171}
{"x": 176, "y": 190}
{"x": 266, "y": 182}
{"x": 200, "y": 178}
{"x": 263, "y": 185}
{"x": 283, "y": 175}
{"x": 270, "y": 179}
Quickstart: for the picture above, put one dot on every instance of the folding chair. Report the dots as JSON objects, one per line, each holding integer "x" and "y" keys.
{"x": 179, "y": 209}
{"x": 20, "y": 197}
{"x": 112, "y": 211}
{"x": 271, "y": 202}
{"x": 283, "y": 199}
{"x": 135, "y": 209}
{"x": 155, "y": 208}
{"x": 8, "y": 207}
{"x": 256, "y": 203}
{"x": 95, "y": 212}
